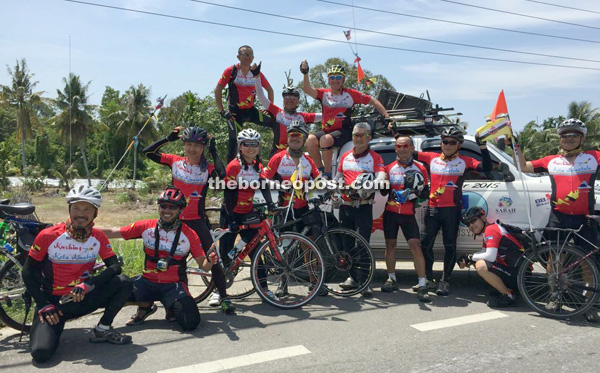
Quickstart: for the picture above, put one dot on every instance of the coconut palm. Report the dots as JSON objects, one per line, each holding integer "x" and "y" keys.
{"x": 20, "y": 95}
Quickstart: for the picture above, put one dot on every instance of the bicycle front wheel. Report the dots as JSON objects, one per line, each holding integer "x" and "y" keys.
{"x": 199, "y": 281}
{"x": 558, "y": 282}
{"x": 349, "y": 262}
{"x": 15, "y": 301}
{"x": 292, "y": 281}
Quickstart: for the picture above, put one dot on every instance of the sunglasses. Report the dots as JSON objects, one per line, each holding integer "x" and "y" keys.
{"x": 335, "y": 77}
{"x": 570, "y": 135}
{"x": 295, "y": 135}
{"x": 449, "y": 142}
{"x": 360, "y": 135}
{"x": 403, "y": 146}
{"x": 168, "y": 206}
{"x": 250, "y": 144}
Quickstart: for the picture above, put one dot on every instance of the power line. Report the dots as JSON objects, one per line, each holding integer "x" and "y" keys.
{"x": 463, "y": 23}
{"x": 563, "y": 6}
{"x": 330, "y": 40}
{"x": 396, "y": 35}
{"x": 520, "y": 14}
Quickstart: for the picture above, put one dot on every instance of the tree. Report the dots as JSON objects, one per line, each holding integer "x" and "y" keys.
{"x": 20, "y": 95}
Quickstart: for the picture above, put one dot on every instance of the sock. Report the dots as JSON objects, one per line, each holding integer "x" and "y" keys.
{"x": 511, "y": 294}
{"x": 422, "y": 281}
{"x": 102, "y": 328}
{"x": 392, "y": 276}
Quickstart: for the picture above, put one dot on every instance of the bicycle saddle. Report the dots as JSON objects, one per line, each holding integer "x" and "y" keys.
{"x": 17, "y": 209}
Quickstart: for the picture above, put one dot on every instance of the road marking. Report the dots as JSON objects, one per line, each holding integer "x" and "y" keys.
{"x": 241, "y": 361}
{"x": 440, "y": 324}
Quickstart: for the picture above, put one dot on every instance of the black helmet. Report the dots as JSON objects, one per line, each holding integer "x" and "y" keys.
{"x": 298, "y": 126}
{"x": 195, "y": 134}
{"x": 455, "y": 133}
{"x": 414, "y": 181}
{"x": 290, "y": 91}
{"x": 471, "y": 214}
{"x": 173, "y": 195}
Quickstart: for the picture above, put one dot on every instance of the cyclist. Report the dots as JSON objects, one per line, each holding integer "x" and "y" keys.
{"x": 336, "y": 124}
{"x": 408, "y": 181}
{"x": 167, "y": 244}
{"x": 59, "y": 265}
{"x": 240, "y": 102}
{"x": 447, "y": 172}
{"x": 572, "y": 173}
{"x": 496, "y": 262}
{"x": 358, "y": 168}
{"x": 284, "y": 117}
{"x": 244, "y": 171}
{"x": 191, "y": 174}
{"x": 293, "y": 163}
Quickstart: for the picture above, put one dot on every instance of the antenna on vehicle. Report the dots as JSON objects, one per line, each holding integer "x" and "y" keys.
{"x": 428, "y": 97}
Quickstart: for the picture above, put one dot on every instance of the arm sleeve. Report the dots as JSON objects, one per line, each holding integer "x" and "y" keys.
{"x": 488, "y": 254}
{"x": 219, "y": 165}
{"x": 386, "y": 191}
{"x": 151, "y": 151}
{"x": 486, "y": 161}
{"x": 260, "y": 94}
{"x": 425, "y": 193}
{"x": 32, "y": 277}
{"x": 113, "y": 268}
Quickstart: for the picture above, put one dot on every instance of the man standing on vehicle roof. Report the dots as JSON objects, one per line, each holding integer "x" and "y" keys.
{"x": 447, "y": 172}
{"x": 59, "y": 265}
{"x": 240, "y": 107}
{"x": 361, "y": 170}
{"x": 573, "y": 174}
{"x": 336, "y": 124}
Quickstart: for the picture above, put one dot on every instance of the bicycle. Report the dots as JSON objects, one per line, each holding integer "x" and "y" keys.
{"x": 346, "y": 253}
{"x": 275, "y": 266}
{"x": 557, "y": 279}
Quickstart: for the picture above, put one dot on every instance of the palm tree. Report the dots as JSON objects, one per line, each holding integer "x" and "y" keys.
{"x": 75, "y": 121}
{"x": 582, "y": 110}
{"x": 20, "y": 95}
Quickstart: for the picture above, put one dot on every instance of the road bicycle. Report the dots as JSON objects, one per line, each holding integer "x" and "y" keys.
{"x": 276, "y": 267}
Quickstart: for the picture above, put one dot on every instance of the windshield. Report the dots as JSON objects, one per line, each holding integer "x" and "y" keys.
{"x": 507, "y": 157}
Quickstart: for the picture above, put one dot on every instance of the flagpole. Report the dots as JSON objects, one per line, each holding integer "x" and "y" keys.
{"x": 517, "y": 150}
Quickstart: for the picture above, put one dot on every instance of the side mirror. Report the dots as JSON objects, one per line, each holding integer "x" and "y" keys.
{"x": 505, "y": 173}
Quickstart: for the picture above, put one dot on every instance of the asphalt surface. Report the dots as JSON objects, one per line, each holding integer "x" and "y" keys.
{"x": 380, "y": 334}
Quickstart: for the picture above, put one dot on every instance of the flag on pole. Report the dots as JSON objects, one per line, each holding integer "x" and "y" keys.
{"x": 360, "y": 73}
{"x": 297, "y": 175}
{"x": 161, "y": 103}
{"x": 500, "y": 107}
{"x": 357, "y": 59}
{"x": 370, "y": 81}
{"x": 347, "y": 34}
{"x": 495, "y": 128}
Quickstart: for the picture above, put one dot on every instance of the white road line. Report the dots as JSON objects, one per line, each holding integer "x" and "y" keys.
{"x": 440, "y": 324}
{"x": 241, "y": 361}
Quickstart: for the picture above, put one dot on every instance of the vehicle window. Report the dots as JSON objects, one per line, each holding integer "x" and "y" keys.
{"x": 388, "y": 155}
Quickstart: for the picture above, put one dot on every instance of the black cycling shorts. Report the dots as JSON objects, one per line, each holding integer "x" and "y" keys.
{"x": 507, "y": 274}
{"x": 392, "y": 222}
{"x": 148, "y": 291}
{"x": 340, "y": 137}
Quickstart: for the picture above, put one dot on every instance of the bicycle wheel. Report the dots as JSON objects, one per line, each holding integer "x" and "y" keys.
{"x": 14, "y": 298}
{"x": 558, "y": 282}
{"x": 199, "y": 281}
{"x": 238, "y": 281}
{"x": 296, "y": 279}
{"x": 347, "y": 255}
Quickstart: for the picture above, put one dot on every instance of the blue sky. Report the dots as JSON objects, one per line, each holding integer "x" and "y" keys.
{"x": 120, "y": 49}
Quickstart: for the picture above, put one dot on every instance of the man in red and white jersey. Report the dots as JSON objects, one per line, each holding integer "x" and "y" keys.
{"x": 408, "y": 181}
{"x": 240, "y": 101}
{"x": 58, "y": 275}
{"x": 167, "y": 244}
{"x": 336, "y": 124}
{"x": 496, "y": 262}
{"x": 573, "y": 173}
{"x": 361, "y": 171}
{"x": 447, "y": 172}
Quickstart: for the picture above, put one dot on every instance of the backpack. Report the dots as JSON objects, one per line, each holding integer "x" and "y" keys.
{"x": 518, "y": 233}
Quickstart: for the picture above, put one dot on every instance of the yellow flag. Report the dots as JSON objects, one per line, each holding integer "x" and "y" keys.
{"x": 297, "y": 175}
{"x": 494, "y": 129}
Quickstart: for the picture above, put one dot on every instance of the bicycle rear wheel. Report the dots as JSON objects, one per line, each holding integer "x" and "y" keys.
{"x": 559, "y": 283}
{"x": 346, "y": 254}
{"x": 14, "y": 298}
{"x": 296, "y": 279}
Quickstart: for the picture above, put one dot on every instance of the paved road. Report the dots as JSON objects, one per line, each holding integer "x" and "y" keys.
{"x": 382, "y": 334}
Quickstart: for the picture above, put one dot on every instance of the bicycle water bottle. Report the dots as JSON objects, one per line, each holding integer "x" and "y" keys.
{"x": 8, "y": 247}
{"x": 236, "y": 249}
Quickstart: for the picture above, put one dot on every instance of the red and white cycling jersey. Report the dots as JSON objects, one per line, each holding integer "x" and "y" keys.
{"x": 337, "y": 109}
{"x": 395, "y": 174}
{"x": 67, "y": 262}
{"x": 447, "y": 178}
{"x": 281, "y": 165}
{"x": 241, "y": 90}
{"x": 351, "y": 167}
{"x": 284, "y": 119}
{"x": 188, "y": 243}
{"x": 191, "y": 181}
{"x": 509, "y": 248}
{"x": 247, "y": 174}
{"x": 572, "y": 184}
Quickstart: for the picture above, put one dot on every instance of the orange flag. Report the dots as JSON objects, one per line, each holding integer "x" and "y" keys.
{"x": 500, "y": 107}
{"x": 361, "y": 74}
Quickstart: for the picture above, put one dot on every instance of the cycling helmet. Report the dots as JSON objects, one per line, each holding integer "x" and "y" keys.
{"x": 336, "y": 70}
{"x": 453, "y": 132}
{"x": 572, "y": 125}
{"x": 85, "y": 194}
{"x": 248, "y": 135}
{"x": 414, "y": 181}
{"x": 471, "y": 214}
{"x": 290, "y": 91}
{"x": 173, "y": 196}
{"x": 195, "y": 134}
{"x": 298, "y": 126}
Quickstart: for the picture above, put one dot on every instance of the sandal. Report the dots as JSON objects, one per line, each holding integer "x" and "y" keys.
{"x": 137, "y": 320}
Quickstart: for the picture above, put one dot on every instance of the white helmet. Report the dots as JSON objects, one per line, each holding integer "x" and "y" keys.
{"x": 85, "y": 194}
{"x": 572, "y": 125}
{"x": 248, "y": 135}
{"x": 363, "y": 185}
